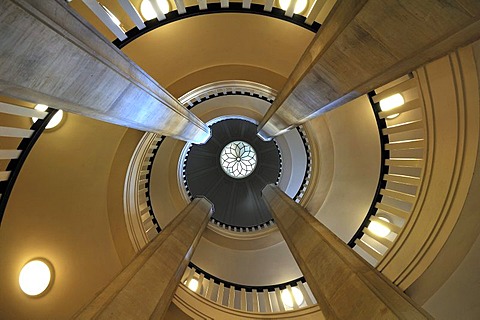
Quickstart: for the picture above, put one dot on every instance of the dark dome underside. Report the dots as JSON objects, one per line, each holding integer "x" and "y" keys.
{"x": 237, "y": 202}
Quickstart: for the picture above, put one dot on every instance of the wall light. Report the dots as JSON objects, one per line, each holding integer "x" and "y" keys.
{"x": 36, "y": 276}
{"x": 148, "y": 12}
{"x": 193, "y": 285}
{"x": 300, "y": 5}
{"x": 392, "y": 102}
{"x": 55, "y": 121}
{"x": 287, "y": 297}
{"x": 378, "y": 228}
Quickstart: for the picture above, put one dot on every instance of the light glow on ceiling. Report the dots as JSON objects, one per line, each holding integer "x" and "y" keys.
{"x": 55, "y": 121}
{"x": 300, "y": 5}
{"x": 392, "y": 102}
{"x": 287, "y": 297}
{"x": 147, "y": 11}
{"x": 35, "y": 277}
{"x": 378, "y": 228}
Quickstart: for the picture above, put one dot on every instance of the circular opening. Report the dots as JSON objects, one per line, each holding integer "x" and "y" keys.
{"x": 35, "y": 277}
{"x": 238, "y": 159}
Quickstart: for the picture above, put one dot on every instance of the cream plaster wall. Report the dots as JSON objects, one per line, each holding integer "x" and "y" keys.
{"x": 58, "y": 211}
{"x": 353, "y": 157}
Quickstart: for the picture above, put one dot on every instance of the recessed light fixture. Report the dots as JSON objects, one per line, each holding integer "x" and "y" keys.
{"x": 392, "y": 102}
{"x": 193, "y": 285}
{"x": 378, "y": 228}
{"x": 300, "y": 5}
{"x": 287, "y": 297}
{"x": 35, "y": 277}
{"x": 148, "y": 12}
{"x": 55, "y": 121}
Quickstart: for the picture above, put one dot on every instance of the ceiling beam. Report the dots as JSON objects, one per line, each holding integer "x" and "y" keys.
{"x": 364, "y": 44}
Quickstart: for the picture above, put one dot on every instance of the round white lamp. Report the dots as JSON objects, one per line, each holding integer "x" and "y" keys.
{"x": 35, "y": 277}
{"x": 287, "y": 297}
{"x": 300, "y": 5}
{"x": 55, "y": 121}
{"x": 148, "y": 12}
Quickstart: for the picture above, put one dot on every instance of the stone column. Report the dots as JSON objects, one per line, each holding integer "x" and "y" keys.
{"x": 345, "y": 285}
{"x": 51, "y": 55}
{"x": 145, "y": 288}
{"x": 363, "y": 45}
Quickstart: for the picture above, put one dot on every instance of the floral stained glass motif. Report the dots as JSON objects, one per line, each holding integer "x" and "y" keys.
{"x": 238, "y": 159}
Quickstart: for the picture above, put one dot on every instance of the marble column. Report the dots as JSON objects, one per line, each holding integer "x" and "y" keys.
{"x": 51, "y": 55}
{"x": 145, "y": 288}
{"x": 363, "y": 45}
{"x": 345, "y": 285}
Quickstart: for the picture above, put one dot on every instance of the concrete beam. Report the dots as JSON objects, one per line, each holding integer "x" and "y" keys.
{"x": 145, "y": 288}
{"x": 50, "y": 55}
{"x": 345, "y": 285}
{"x": 363, "y": 45}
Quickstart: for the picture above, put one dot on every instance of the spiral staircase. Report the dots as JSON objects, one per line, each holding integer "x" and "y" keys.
{"x": 91, "y": 196}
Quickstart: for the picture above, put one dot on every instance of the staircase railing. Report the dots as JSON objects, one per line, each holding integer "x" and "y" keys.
{"x": 263, "y": 299}
{"x": 315, "y": 13}
{"x": 15, "y": 158}
{"x": 402, "y": 135}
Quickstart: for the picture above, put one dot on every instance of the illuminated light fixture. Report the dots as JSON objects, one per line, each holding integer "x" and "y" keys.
{"x": 300, "y": 5}
{"x": 392, "y": 102}
{"x": 55, "y": 121}
{"x": 193, "y": 285}
{"x": 112, "y": 16}
{"x": 148, "y": 12}
{"x": 287, "y": 297}
{"x": 35, "y": 277}
{"x": 378, "y": 228}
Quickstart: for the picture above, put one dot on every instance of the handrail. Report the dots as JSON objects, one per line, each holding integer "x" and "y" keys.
{"x": 264, "y": 299}
{"x": 401, "y": 171}
{"x": 317, "y": 9}
{"x": 17, "y": 157}
{"x": 214, "y": 8}
{"x": 308, "y": 170}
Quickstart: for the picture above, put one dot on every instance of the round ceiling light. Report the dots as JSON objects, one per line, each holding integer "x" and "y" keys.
{"x": 149, "y": 13}
{"x": 300, "y": 5}
{"x": 35, "y": 277}
{"x": 238, "y": 159}
{"x": 392, "y": 102}
{"x": 287, "y": 297}
{"x": 378, "y": 228}
{"x": 55, "y": 121}
{"x": 193, "y": 285}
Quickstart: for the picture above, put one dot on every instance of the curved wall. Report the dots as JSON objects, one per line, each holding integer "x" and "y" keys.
{"x": 58, "y": 211}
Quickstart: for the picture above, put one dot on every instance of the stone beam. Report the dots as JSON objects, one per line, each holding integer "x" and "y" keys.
{"x": 145, "y": 288}
{"x": 345, "y": 285}
{"x": 50, "y": 55}
{"x": 363, "y": 45}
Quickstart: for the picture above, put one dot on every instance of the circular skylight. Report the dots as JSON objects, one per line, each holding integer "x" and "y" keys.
{"x": 238, "y": 159}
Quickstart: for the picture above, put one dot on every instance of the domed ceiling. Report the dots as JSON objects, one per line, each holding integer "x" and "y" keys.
{"x": 232, "y": 175}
